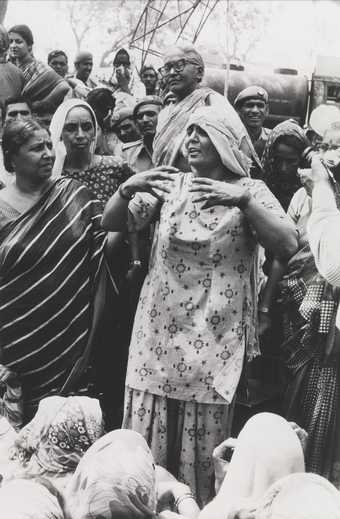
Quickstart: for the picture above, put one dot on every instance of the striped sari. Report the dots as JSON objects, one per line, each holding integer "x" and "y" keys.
{"x": 49, "y": 259}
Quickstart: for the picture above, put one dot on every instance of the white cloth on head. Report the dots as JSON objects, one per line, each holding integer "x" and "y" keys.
{"x": 56, "y": 129}
{"x": 267, "y": 449}
{"x": 300, "y": 496}
{"x": 27, "y": 499}
{"x": 115, "y": 478}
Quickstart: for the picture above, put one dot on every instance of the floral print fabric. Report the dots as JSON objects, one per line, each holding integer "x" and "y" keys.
{"x": 198, "y": 429}
{"x": 115, "y": 479}
{"x": 59, "y": 434}
{"x": 197, "y": 310}
{"x": 102, "y": 177}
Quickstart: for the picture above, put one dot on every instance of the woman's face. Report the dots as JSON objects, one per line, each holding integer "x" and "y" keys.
{"x": 183, "y": 76}
{"x": 201, "y": 151}
{"x": 286, "y": 160}
{"x": 18, "y": 47}
{"x": 78, "y": 132}
{"x": 34, "y": 159}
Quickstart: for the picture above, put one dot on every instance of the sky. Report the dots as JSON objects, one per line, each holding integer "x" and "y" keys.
{"x": 298, "y": 32}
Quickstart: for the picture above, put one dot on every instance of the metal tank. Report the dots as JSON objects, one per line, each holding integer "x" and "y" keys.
{"x": 288, "y": 91}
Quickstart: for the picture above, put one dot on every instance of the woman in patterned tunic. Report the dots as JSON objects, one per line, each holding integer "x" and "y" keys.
{"x": 196, "y": 316}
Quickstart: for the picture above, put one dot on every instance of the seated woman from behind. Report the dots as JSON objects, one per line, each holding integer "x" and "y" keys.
{"x": 117, "y": 477}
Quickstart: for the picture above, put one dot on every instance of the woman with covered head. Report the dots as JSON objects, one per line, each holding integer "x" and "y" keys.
{"x": 117, "y": 477}
{"x": 74, "y": 136}
{"x": 43, "y": 86}
{"x": 282, "y": 157}
{"x": 196, "y": 318}
{"x": 183, "y": 72}
{"x": 54, "y": 441}
{"x": 266, "y": 450}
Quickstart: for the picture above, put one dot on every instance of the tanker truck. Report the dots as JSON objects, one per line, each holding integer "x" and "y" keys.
{"x": 291, "y": 95}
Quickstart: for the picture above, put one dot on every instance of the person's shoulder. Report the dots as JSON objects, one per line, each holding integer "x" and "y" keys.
{"x": 131, "y": 145}
{"x": 265, "y": 132}
{"x": 299, "y": 198}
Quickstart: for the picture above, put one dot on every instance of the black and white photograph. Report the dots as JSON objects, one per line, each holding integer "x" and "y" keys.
{"x": 169, "y": 259}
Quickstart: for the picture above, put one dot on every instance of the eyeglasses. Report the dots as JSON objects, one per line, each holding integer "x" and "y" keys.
{"x": 323, "y": 147}
{"x": 178, "y": 66}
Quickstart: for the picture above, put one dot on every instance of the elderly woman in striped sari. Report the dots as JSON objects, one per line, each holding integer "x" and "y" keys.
{"x": 52, "y": 269}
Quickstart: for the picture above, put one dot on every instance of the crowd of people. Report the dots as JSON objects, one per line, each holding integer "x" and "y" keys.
{"x": 154, "y": 240}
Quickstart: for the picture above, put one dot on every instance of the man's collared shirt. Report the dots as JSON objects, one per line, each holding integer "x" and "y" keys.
{"x": 137, "y": 156}
{"x": 260, "y": 143}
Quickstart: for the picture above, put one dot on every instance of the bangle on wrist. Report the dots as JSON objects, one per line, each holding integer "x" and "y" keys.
{"x": 183, "y": 497}
{"x": 263, "y": 310}
{"x": 123, "y": 193}
{"x": 244, "y": 200}
{"x": 136, "y": 263}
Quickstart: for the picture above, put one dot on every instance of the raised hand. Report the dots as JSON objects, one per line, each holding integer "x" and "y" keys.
{"x": 215, "y": 192}
{"x": 158, "y": 179}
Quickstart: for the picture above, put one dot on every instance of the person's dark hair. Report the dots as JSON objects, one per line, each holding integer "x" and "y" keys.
{"x": 121, "y": 55}
{"x": 24, "y": 31}
{"x": 293, "y": 142}
{"x": 148, "y": 67}
{"x": 15, "y": 134}
{"x": 54, "y": 54}
{"x": 98, "y": 98}
{"x": 12, "y": 101}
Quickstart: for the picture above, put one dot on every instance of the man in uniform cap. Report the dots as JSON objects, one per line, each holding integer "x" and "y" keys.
{"x": 252, "y": 105}
{"x": 138, "y": 154}
{"x": 124, "y": 126}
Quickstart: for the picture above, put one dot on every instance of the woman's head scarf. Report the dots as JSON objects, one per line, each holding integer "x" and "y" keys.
{"x": 289, "y": 128}
{"x": 221, "y": 135}
{"x": 28, "y": 499}
{"x": 300, "y": 496}
{"x": 56, "y": 129}
{"x": 267, "y": 449}
{"x": 59, "y": 435}
{"x": 115, "y": 478}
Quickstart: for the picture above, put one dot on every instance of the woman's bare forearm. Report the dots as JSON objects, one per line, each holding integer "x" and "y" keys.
{"x": 277, "y": 235}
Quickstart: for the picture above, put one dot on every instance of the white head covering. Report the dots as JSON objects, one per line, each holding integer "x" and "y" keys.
{"x": 267, "y": 449}
{"x": 115, "y": 478}
{"x": 223, "y": 138}
{"x": 27, "y": 499}
{"x": 56, "y": 128}
{"x": 300, "y": 496}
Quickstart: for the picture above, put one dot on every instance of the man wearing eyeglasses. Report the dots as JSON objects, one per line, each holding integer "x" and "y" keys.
{"x": 182, "y": 73}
